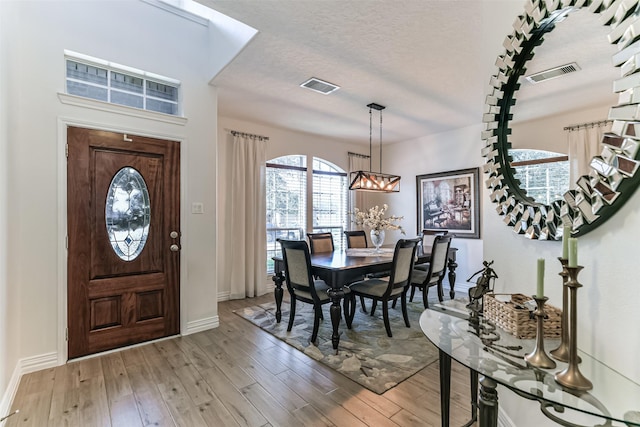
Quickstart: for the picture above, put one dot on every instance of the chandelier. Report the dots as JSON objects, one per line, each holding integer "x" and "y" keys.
{"x": 370, "y": 180}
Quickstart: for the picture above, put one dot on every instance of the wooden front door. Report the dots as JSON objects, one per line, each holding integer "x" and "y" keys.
{"x": 123, "y": 219}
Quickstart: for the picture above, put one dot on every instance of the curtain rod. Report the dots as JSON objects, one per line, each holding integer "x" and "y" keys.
{"x": 584, "y": 125}
{"x": 364, "y": 156}
{"x": 247, "y": 135}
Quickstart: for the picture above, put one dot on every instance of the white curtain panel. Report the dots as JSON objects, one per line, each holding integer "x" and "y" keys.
{"x": 357, "y": 199}
{"x": 248, "y": 237}
{"x": 584, "y": 143}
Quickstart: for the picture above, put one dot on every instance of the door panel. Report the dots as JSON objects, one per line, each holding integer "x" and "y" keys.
{"x": 113, "y": 302}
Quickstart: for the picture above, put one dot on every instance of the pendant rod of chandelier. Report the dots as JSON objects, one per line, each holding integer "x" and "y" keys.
{"x": 370, "y": 180}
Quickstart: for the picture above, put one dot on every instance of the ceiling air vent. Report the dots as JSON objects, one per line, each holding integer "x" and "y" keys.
{"x": 553, "y": 72}
{"x": 321, "y": 86}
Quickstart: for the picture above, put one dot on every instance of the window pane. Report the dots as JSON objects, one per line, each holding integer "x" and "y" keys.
{"x": 159, "y": 90}
{"x": 128, "y": 99}
{"x": 115, "y": 85}
{"x": 87, "y": 73}
{"x": 126, "y": 82}
{"x": 286, "y": 205}
{"x": 300, "y": 161}
{"x": 128, "y": 213}
{"x": 162, "y": 107}
{"x": 544, "y": 182}
{"x": 329, "y": 201}
{"x": 87, "y": 91}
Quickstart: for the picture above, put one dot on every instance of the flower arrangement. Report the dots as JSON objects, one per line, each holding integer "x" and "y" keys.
{"x": 374, "y": 219}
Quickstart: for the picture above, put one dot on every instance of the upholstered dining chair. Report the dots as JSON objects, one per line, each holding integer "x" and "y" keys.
{"x": 320, "y": 242}
{"x": 434, "y": 274}
{"x": 356, "y": 239}
{"x": 428, "y": 237}
{"x": 301, "y": 284}
{"x": 389, "y": 289}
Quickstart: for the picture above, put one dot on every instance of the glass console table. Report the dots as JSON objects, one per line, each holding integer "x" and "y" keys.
{"x": 496, "y": 357}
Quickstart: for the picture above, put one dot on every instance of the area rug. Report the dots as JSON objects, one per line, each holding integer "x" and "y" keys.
{"x": 365, "y": 354}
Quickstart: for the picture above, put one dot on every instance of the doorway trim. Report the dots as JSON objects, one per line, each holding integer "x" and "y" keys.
{"x": 63, "y": 122}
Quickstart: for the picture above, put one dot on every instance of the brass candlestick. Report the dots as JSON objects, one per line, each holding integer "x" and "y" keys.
{"x": 538, "y": 357}
{"x": 571, "y": 377}
{"x": 562, "y": 352}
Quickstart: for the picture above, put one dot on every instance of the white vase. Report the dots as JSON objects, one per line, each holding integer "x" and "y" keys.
{"x": 377, "y": 238}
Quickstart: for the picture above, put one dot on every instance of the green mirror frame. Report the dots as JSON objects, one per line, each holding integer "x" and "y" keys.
{"x": 613, "y": 175}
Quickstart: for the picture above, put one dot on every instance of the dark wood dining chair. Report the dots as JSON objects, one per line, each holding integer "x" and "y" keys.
{"x": 434, "y": 274}
{"x": 356, "y": 239}
{"x": 387, "y": 290}
{"x": 301, "y": 284}
{"x": 320, "y": 242}
{"x": 428, "y": 237}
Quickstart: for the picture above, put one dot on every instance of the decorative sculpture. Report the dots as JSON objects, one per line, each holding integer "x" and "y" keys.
{"x": 483, "y": 285}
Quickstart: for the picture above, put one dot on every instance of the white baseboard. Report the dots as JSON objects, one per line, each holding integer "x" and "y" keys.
{"x": 224, "y": 296}
{"x": 9, "y": 394}
{"x": 25, "y": 366}
{"x": 461, "y": 287}
{"x": 38, "y": 363}
{"x": 202, "y": 325}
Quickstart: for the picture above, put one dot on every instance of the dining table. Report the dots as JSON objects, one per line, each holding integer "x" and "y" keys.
{"x": 342, "y": 267}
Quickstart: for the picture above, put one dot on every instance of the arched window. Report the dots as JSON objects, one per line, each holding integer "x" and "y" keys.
{"x": 543, "y": 174}
{"x": 289, "y": 215}
{"x": 329, "y": 200}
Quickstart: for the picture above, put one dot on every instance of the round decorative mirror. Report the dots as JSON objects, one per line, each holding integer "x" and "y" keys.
{"x": 612, "y": 176}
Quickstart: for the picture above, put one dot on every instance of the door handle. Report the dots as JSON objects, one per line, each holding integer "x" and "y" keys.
{"x": 174, "y": 248}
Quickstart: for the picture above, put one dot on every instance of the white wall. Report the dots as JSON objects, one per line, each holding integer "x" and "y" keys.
{"x": 281, "y": 143}
{"x": 548, "y": 132}
{"x": 8, "y": 350}
{"x": 437, "y": 153}
{"x": 34, "y": 173}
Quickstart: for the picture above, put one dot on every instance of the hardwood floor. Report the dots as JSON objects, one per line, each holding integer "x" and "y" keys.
{"x": 234, "y": 375}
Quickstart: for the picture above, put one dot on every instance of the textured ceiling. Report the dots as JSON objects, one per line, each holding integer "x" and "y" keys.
{"x": 420, "y": 58}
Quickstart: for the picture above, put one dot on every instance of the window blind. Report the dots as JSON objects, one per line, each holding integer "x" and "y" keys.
{"x": 286, "y": 184}
{"x": 329, "y": 201}
{"x": 543, "y": 174}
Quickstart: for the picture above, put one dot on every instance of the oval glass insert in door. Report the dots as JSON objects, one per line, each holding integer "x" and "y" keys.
{"x": 128, "y": 213}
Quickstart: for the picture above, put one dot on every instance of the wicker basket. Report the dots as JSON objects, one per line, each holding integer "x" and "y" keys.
{"x": 514, "y": 318}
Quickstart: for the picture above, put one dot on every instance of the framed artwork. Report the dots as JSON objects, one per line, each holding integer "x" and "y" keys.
{"x": 450, "y": 201}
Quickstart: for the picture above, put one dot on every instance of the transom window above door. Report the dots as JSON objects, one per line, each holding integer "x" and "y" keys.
{"x": 117, "y": 84}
